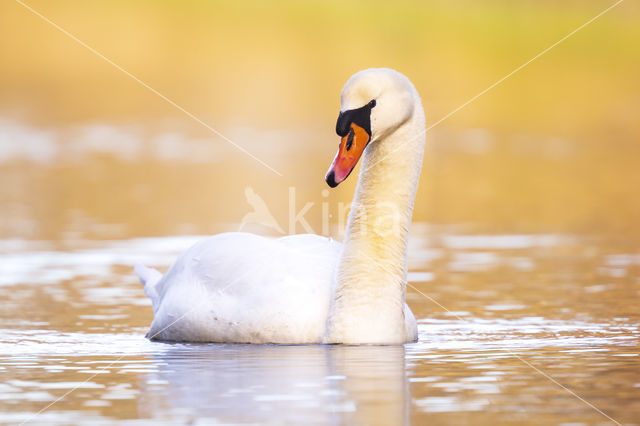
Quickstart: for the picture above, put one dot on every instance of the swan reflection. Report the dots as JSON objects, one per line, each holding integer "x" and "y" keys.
{"x": 268, "y": 383}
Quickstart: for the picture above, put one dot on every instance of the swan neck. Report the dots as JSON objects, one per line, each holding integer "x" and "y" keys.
{"x": 382, "y": 207}
{"x": 371, "y": 276}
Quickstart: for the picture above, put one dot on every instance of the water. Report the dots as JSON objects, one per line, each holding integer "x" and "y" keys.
{"x": 510, "y": 324}
{"x": 506, "y": 323}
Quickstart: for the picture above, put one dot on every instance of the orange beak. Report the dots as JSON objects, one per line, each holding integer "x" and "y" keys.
{"x": 349, "y": 152}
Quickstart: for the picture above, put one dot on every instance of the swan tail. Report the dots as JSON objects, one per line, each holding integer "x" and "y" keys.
{"x": 149, "y": 277}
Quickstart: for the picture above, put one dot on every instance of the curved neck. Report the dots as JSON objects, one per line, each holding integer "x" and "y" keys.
{"x": 383, "y": 203}
{"x": 371, "y": 275}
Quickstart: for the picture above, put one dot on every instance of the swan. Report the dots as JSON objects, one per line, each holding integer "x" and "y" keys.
{"x": 238, "y": 287}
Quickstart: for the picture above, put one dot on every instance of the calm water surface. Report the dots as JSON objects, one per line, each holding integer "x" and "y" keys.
{"x": 497, "y": 315}
{"x": 90, "y": 160}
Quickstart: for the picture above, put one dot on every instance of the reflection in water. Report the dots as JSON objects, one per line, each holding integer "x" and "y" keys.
{"x": 80, "y": 179}
{"x": 76, "y": 317}
{"x": 278, "y": 384}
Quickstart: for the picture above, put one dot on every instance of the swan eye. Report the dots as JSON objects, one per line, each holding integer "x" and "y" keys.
{"x": 372, "y": 103}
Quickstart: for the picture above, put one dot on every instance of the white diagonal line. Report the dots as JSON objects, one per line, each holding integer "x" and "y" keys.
{"x": 193, "y": 308}
{"x": 505, "y": 349}
{"x": 500, "y": 80}
{"x": 103, "y": 368}
{"x": 523, "y": 65}
{"x": 273, "y": 170}
{"x": 515, "y": 355}
{"x": 95, "y": 52}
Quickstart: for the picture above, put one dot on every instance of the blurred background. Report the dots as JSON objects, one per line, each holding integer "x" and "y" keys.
{"x": 87, "y": 152}
{"x": 525, "y": 235}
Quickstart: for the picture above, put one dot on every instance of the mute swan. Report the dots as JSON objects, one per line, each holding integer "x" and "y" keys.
{"x": 243, "y": 288}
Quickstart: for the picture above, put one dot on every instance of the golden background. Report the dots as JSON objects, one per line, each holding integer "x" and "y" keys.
{"x": 89, "y": 152}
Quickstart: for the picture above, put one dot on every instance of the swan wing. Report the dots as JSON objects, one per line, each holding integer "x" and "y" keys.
{"x": 240, "y": 287}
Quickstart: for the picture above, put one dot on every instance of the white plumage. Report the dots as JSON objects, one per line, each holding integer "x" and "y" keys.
{"x": 244, "y": 288}
{"x": 240, "y": 287}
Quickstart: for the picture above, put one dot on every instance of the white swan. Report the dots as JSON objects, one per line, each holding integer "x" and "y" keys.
{"x": 244, "y": 288}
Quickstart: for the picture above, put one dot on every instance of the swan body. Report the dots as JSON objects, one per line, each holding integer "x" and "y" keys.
{"x": 243, "y": 288}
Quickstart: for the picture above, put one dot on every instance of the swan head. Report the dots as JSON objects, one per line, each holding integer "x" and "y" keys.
{"x": 374, "y": 103}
